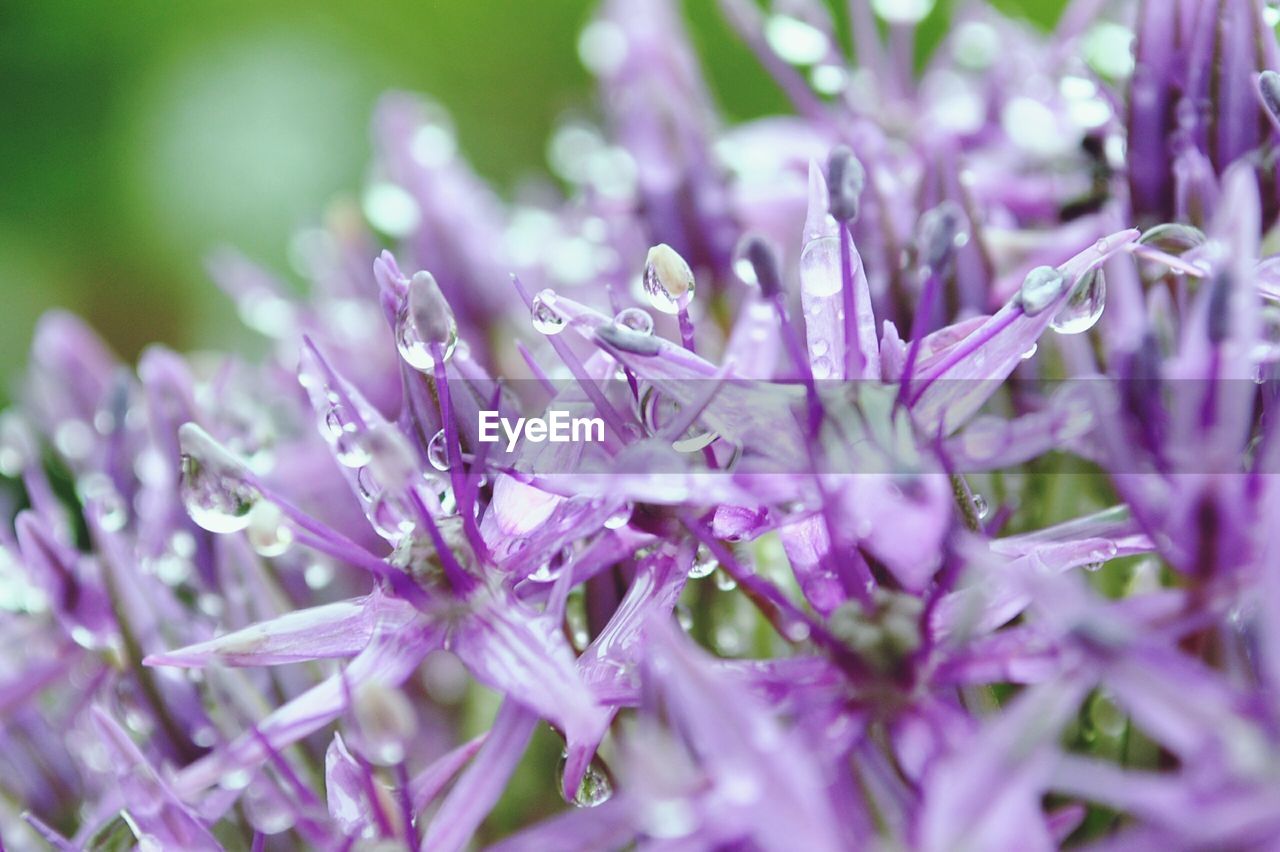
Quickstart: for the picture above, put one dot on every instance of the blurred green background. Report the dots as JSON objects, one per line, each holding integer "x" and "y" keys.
{"x": 139, "y": 134}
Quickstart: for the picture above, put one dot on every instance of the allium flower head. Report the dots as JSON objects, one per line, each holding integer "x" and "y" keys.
{"x": 926, "y": 496}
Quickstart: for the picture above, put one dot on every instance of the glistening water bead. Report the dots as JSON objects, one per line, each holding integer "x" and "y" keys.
{"x": 595, "y": 789}
{"x": 668, "y": 280}
{"x": 1084, "y": 306}
{"x": 424, "y": 323}
{"x": 437, "y": 451}
{"x": 213, "y": 489}
{"x": 635, "y": 319}
{"x": 544, "y": 315}
{"x": 1040, "y": 288}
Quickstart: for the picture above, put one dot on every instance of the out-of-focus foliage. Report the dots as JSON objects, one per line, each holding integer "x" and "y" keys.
{"x": 137, "y": 134}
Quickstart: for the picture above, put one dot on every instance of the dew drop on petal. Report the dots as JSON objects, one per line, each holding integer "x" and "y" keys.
{"x": 743, "y": 268}
{"x": 703, "y": 563}
{"x": 619, "y": 518}
{"x": 551, "y": 569}
{"x": 546, "y": 319}
{"x": 424, "y": 322}
{"x": 820, "y": 267}
{"x": 636, "y": 319}
{"x": 392, "y": 517}
{"x": 595, "y": 789}
{"x": 1039, "y": 289}
{"x": 1084, "y": 306}
{"x": 268, "y": 530}
{"x": 387, "y": 722}
{"x": 213, "y": 489}
{"x": 668, "y": 280}
{"x": 349, "y": 448}
{"x": 437, "y": 451}
{"x": 980, "y": 506}
{"x": 98, "y": 491}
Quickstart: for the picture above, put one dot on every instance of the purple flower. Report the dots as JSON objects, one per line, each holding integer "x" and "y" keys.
{"x": 930, "y": 504}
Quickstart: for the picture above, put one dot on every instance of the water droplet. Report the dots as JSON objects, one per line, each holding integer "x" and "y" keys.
{"x": 545, "y": 318}
{"x": 350, "y": 449}
{"x": 1030, "y": 353}
{"x": 98, "y": 492}
{"x": 551, "y": 569}
{"x": 437, "y": 451}
{"x": 1039, "y": 289}
{"x": 213, "y": 487}
{"x": 387, "y": 722}
{"x": 1173, "y": 237}
{"x": 595, "y": 789}
{"x": 820, "y": 267}
{"x": 267, "y": 809}
{"x": 636, "y": 319}
{"x": 392, "y": 517}
{"x": 743, "y": 268}
{"x": 268, "y": 530}
{"x": 703, "y": 563}
{"x": 424, "y": 322}
{"x": 903, "y": 11}
{"x": 980, "y": 506}
{"x": 668, "y": 280}
{"x": 1084, "y": 306}
{"x": 619, "y": 518}
{"x": 796, "y": 41}
{"x": 724, "y": 581}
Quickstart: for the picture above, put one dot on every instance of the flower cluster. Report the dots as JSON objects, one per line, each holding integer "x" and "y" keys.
{"x": 896, "y": 538}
